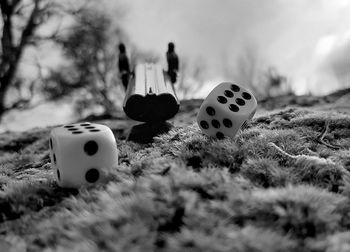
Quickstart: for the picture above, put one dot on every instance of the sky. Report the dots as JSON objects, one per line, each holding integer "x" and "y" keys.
{"x": 303, "y": 39}
{"x": 306, "y": 40}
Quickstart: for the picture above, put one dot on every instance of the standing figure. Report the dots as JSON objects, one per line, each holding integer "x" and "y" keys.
{"x": 123, "y": 65}
{"x": 173, "y": 62}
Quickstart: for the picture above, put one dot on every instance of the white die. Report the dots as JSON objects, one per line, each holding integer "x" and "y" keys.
{"x": 82, "y": 153}
{"x": 225, "y": 110}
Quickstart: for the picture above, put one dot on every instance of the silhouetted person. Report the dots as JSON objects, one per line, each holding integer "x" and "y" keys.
{"x": 173, "y": 62}
{"x": 123, "y": 65}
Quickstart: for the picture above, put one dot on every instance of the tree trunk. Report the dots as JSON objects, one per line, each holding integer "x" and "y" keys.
{"x": 2, "y": 99}
{"x": 12, "y": 52}
{"x": 5, "y": 82}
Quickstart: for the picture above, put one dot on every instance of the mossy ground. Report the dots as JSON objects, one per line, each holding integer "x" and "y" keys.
{"x": 282, "y": 184}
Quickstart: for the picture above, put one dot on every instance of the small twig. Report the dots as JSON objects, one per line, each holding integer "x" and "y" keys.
{"x": 303, "y": 160}
{"x": 321, "y": 140}
{"x": 271, "y": 144}
{"x": 324, "y": 132}
{"x": 330, "y": 145}
{"x": 311, "y": 152}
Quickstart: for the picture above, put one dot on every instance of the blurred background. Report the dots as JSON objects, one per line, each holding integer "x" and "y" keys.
{"x": 58, "y": 58}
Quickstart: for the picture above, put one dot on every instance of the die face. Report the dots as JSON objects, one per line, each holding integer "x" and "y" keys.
{"x": 225, "y": 110}
{"x": 82, "y": 158}
{"x": 233, "y": 98}
{"x": 220, "y": 124}
{"x": 78, "y": 129}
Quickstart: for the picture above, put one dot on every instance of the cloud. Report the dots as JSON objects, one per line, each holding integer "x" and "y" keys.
{"x": 332, "y": 56}
{"x": 339, "y": 58}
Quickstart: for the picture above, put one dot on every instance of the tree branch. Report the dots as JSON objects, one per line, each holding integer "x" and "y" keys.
{"x": 7, "y": 37}
{"x": 29, "y": 28}
{"x": 24, "y": 104}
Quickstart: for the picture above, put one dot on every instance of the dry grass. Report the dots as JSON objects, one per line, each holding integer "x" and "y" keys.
{"x": 275, "y": 187}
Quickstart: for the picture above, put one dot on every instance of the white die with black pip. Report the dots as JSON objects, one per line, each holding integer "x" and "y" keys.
{"x": 226, "y": 110}
{"x": 82, "y": 153}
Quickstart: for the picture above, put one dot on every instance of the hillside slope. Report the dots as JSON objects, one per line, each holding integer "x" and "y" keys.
{"x": 282, "y": 184}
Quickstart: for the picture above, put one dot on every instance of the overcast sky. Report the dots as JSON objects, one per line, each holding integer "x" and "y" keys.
{"x": 304, "y": 39}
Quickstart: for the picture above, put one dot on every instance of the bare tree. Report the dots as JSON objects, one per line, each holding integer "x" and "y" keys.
{"x": 20, "y": 22}
{"x": 276, "y": 83}
{"x": 250, "y": 70}
{"x": 90, "y": 46}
